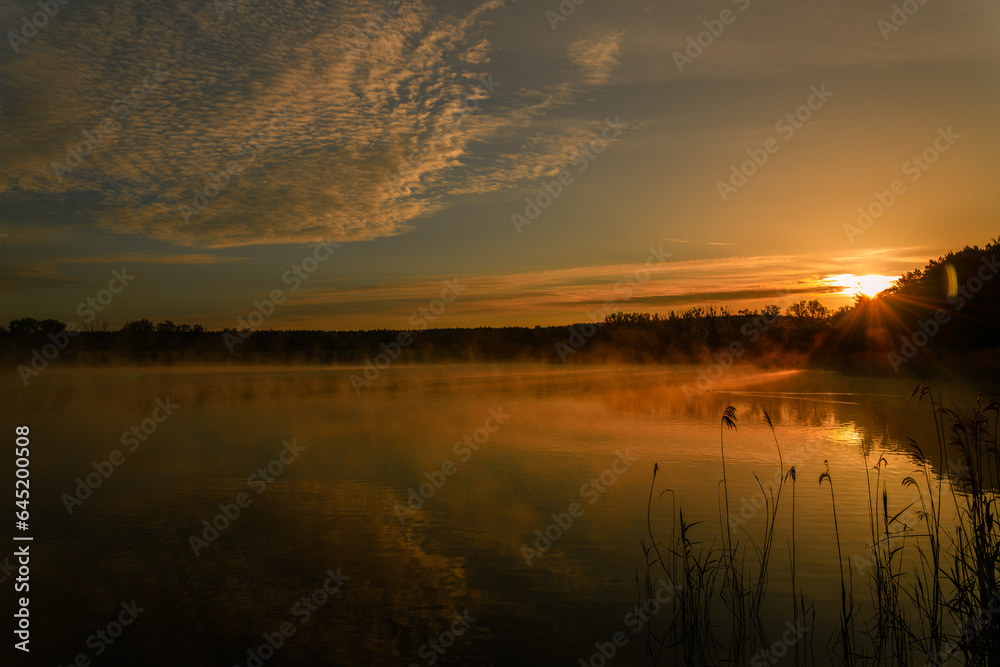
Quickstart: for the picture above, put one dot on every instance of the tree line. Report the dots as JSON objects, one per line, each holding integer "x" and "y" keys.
{"x": 948, "y": 307}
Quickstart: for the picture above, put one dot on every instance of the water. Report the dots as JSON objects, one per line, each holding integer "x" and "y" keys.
{"x": 336, "y": 507}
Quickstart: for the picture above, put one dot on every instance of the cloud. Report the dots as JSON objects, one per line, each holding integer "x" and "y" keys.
{"x": 596, "y": 55}
{"x": 21, "y": 277}
{"x": 288, "y": 122}
{"x": 148, "y": 258}
{"x": 565, "y": 295}
{"x": 725, "y": 296}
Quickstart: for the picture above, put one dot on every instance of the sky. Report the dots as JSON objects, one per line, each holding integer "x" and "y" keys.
{"x": 554, "y": 161}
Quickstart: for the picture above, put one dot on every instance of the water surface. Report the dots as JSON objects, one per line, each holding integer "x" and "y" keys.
{"x": 338, "y": 506}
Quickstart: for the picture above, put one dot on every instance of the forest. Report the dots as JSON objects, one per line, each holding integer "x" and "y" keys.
{"x": 942, "y": 315}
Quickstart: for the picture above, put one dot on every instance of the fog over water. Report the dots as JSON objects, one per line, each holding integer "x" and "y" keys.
{"x": 496, "y": 450}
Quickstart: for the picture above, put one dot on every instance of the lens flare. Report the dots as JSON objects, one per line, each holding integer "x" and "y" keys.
{"x": 952, "y": 280}
{"x": 868, "y": 285}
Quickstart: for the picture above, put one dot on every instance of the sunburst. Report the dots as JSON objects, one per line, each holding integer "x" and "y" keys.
{"x": 867, "y": 285}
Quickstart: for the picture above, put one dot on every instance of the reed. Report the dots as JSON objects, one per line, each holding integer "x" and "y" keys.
{"x": 933, "y": 582}
{"x": 846, "y": 592}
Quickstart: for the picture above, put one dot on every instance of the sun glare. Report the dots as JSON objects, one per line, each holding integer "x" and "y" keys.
{"x": 868, "y": 285}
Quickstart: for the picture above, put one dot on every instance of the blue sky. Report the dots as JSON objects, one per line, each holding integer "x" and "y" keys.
{"x": 489, "y": 103}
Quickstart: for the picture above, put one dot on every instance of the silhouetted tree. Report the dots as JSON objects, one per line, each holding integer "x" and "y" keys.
{"x": 141, "y": 327}
{"x": 166, "y": 327}
{"x": 24, "y": 326}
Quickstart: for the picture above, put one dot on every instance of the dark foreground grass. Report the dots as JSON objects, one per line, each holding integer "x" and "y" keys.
{"x": 927, "y": 595}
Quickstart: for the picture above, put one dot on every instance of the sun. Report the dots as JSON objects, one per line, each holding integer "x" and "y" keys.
{"x": 867, "y": 285}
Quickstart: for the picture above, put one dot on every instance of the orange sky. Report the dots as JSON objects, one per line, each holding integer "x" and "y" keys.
{"x": 423, "y": 147}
